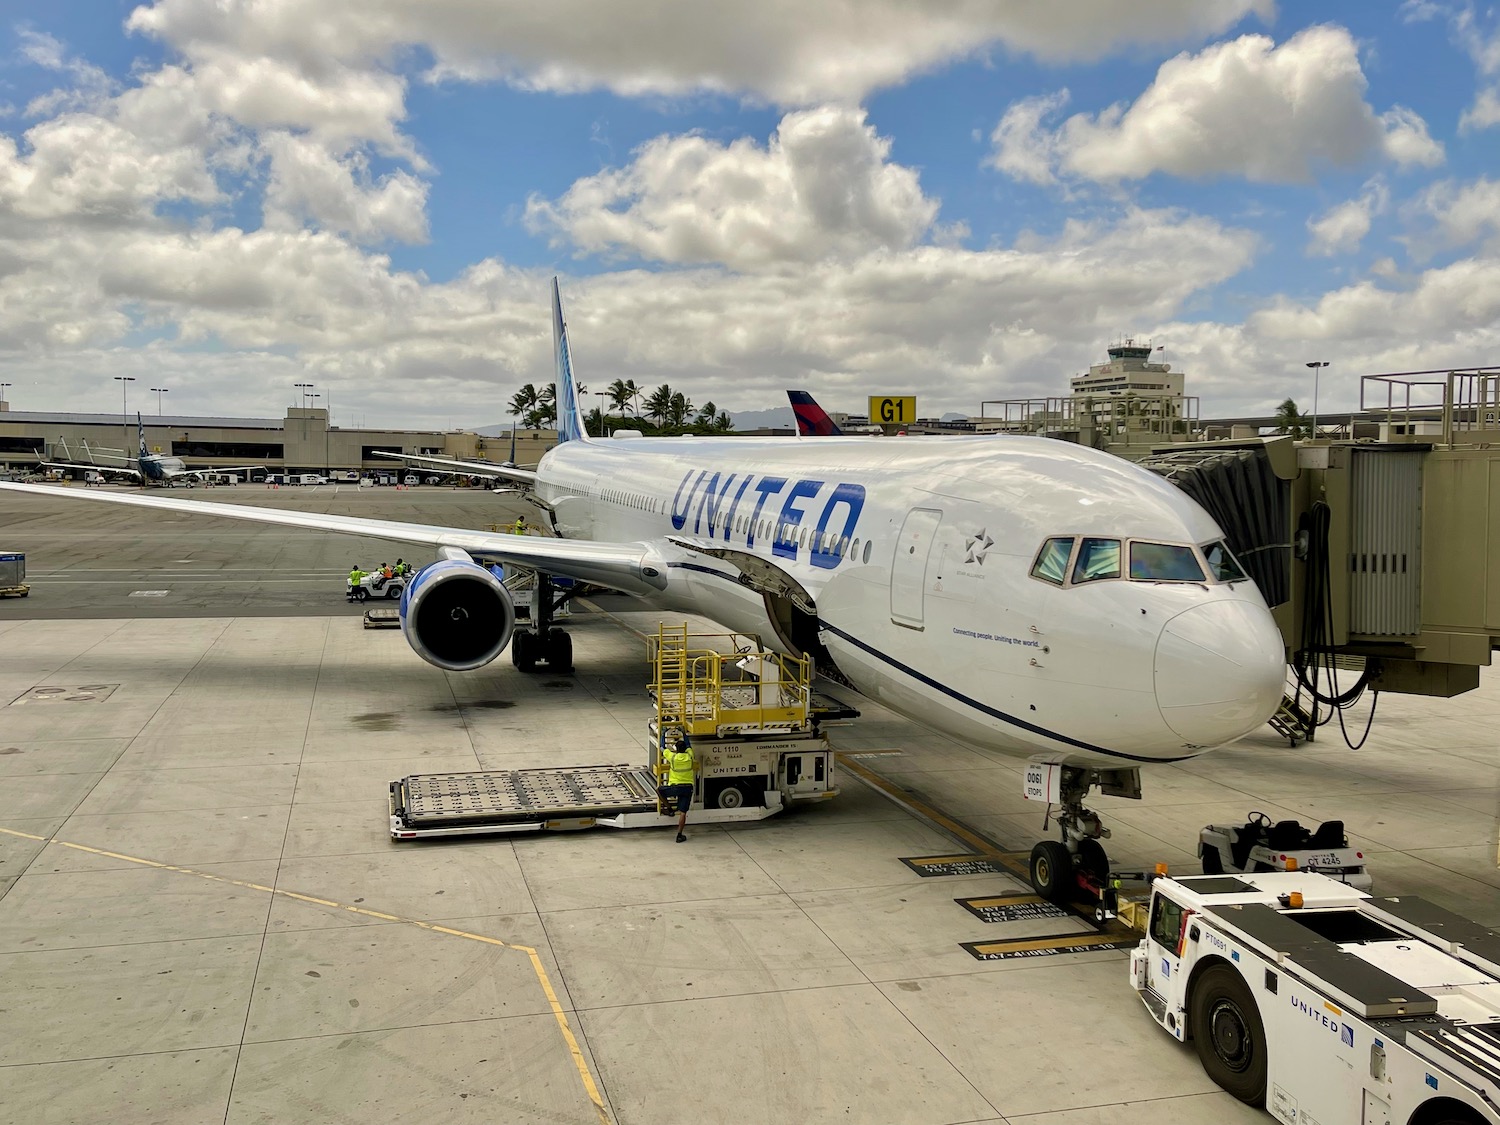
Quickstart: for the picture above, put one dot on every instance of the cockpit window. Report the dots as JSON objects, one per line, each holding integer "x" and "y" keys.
{"x": 1052, "y": 561}
{"x": 1221, "y": 564}
{"x": 1164, "y": 562}
{"x": 1097, "y": 558}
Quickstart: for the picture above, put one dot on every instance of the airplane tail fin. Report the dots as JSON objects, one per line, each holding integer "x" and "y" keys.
{"x": 569, "y": 414}
{"x": 812, "y": 419}
{"x": 140, "y": 432}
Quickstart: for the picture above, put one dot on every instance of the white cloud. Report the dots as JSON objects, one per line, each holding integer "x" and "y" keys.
{"x": 1245, "y": 107}
{"x": 1449, "y": 214}
{"x": 1341, "y": 228}
{"x": 1480, "y": 43}
{"x": 822, "y": 186}
{"x": 784, "y": 53}
{"x": 308, "y": 184}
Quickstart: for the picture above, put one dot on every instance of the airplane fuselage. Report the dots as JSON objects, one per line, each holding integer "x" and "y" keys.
{"x": 918, "y": 560}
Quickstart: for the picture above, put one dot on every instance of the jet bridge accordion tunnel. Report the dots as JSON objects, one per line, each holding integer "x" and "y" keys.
{"x": 1374, "y": 556}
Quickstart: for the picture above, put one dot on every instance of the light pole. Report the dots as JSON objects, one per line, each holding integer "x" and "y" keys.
{"x": 159, "y": 392}
{"x": 1317, "y": 366}
{"x": 125, "y": 381}
{"x": 2, "y": 390}
{"x": 304, "y": 388}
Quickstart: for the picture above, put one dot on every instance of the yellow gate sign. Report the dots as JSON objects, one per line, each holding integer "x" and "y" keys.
{"x": 892, "y": 409}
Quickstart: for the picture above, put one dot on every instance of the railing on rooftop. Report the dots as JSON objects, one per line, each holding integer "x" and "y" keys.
{"x": 1111, "y": 418}
{"x": 1462, "y": 400}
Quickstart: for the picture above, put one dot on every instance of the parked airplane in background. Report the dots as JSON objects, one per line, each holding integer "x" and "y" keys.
{"x": 148, "y": 467}
{"x": 1028, "y": 596}
{"x": 812, "y": 419}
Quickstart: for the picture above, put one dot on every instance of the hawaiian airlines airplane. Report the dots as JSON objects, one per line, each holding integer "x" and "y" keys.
{"x": 1028, "y": 596}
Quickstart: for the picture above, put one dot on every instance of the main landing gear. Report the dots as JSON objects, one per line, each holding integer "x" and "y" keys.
{"x": 543, "y": 643}
{"x": 1077, "y": 866}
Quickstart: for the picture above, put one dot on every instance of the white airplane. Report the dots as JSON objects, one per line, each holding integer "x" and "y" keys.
{"x": 147, "y": 467}
{"x": 1025, "y": 595}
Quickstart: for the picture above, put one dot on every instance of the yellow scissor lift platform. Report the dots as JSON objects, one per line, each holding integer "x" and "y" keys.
{"x": 754, "y": 730}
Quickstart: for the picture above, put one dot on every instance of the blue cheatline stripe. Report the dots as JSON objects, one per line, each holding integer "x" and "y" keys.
{"x": 986, "y": 708}
{"x": 951, "y": 692}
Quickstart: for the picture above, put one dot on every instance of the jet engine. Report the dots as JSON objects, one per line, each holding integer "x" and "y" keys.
{"x": 456, "y": 615}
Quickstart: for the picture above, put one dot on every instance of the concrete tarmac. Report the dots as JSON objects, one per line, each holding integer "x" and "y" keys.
{"x": 203, "y": 918}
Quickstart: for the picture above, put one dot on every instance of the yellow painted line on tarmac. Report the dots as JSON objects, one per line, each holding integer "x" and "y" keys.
{"x": 537, "y": 967}
{"x": 1018, "y": 863}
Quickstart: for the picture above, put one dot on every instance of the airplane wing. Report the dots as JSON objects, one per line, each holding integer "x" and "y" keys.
{"x": 632, "y": 568}
{"x": 468, "y": 468}
{"x": 135, "y": 474}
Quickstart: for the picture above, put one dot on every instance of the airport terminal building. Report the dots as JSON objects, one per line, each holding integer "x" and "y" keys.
{"x": 301, "y": 442}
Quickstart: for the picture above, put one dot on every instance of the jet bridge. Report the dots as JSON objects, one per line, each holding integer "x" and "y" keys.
{"x": 1374, "y": 549}
{"x": 756, "y": 730}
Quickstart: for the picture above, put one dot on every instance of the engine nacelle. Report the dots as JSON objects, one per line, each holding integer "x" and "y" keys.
{"x": 456, "y": 615}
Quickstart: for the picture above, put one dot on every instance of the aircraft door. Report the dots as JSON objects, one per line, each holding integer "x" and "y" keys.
{"x": 909, "y": 570}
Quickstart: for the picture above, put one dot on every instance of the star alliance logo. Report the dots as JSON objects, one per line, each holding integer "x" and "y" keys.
{"x": 977, "y": 546}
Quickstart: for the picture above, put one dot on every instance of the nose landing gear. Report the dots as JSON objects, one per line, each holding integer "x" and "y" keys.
{"x": 1076, "y": 866}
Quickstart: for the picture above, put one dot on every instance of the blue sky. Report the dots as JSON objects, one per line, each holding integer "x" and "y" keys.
{"x": 969, "y": 201}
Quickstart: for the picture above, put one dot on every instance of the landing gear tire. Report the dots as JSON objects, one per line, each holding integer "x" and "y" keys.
{"x": 1093, "y": 860}
{"x": 559, "y": 651}
{"x": 1052, "y": 871}
{"x": 1213, "y": 862}
{"x": 523, "y": 650}
{"x": 1228, "y": 1034}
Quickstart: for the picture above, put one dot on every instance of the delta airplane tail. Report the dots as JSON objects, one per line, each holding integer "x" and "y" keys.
{"x": 812, "y": 419}
{"x": 569, "y": 415}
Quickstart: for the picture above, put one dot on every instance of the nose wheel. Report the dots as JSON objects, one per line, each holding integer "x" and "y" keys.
{"x": 1077, "y": 866}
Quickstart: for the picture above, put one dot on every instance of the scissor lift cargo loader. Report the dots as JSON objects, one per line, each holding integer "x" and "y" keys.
{"x": 754, "y": 730}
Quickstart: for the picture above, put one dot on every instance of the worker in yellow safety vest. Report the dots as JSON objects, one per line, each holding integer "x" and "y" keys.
{"x": 355, "y": 574}
{"x": 682, "y": 769}
{"x": 519, "y": 527}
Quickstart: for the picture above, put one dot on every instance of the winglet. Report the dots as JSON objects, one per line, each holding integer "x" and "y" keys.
{"x": 812, "y": 419}
{"x": 569, "y": 415}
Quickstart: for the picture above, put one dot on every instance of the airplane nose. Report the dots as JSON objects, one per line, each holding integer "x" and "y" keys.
{"x": 1220, "y": 671}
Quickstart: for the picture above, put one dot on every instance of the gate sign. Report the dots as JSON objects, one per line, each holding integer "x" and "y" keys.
{"x": 891, "y": 409}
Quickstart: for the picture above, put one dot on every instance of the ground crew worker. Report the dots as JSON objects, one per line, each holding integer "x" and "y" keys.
{"x": 400, "y": 568}
{"x": 682, "y": 768}
{"x": 520, "y": 525}
{"x": 355, "y": 574}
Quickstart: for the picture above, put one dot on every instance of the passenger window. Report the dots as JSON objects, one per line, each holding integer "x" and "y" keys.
{"x": 1097, "y": 558}
{"x": 1164, "y": 562}
{"x": 1221, "y": 564}
{"x": 1166, "y": 923}
{"x": 867, "y": 551}
{"x": 1052, "y": 561}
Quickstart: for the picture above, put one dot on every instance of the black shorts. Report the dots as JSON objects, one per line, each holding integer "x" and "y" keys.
{"x": 682, "y": 795}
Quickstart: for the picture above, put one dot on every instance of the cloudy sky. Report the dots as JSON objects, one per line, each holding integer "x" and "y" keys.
{"x": 962, "y": 199}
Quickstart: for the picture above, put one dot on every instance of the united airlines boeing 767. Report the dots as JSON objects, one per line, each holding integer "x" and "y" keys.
{"x": 1025, "y": 595}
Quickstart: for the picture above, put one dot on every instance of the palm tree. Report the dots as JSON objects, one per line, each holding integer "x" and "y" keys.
{"x": 659, "y": 404}
{"x": 523, "y": 402}
{"x": 706, "y": 414}
{"x": 1291, "y": 421}
{"x": 619, "y": 394}
{"x": 635, "y": 394}
{"x": 680, "y": 410}
{"x": 723, "y": 424}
